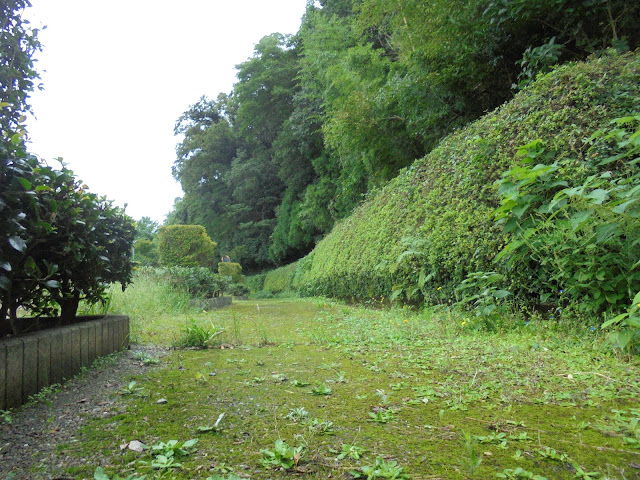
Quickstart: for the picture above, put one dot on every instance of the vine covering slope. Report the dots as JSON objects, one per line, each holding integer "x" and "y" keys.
{"x": 421, "y": 235}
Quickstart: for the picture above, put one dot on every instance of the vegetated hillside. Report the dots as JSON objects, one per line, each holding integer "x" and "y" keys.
{"x": 319, "y": 120}
{"x": 420, "y": 236}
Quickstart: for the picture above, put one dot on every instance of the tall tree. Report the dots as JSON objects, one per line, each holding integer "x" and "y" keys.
{"x": 18, "y": 44}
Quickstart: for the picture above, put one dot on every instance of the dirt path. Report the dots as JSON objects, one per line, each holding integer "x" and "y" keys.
{"x": 32, "y": 445}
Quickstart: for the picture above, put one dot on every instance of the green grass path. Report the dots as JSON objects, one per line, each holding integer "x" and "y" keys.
{"x": 442, "y": 401}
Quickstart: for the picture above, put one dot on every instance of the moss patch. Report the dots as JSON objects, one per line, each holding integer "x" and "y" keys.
{"x": 404, "y": 386}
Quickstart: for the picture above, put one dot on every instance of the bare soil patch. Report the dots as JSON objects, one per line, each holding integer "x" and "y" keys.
{"x": 32, "y": 446}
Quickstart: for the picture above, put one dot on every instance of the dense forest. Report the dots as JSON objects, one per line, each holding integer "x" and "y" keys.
{"x": 319, "y": 120}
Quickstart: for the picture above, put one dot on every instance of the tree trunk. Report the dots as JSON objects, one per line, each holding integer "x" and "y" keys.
{"x": 13, "y": 319}
{"x": 69, "y": 308}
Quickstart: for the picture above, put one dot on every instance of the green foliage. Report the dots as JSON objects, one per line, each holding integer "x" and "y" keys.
{"x": 230, "y": 269}
{"x": 473, "y": 458}
{"x": 423, "y": 234}
{"x": 255, "y": 282}
{"x": 185, "y": 246}
{"x": 5, "y": 416}
{"x": 516, "y": 473}
{"x": 381, "y": 469}
{"x": 321, "y": 389}
{"x": 238, "y": 289}
{"x": 198, "y": 281}
{"x": 59, "y": 242}
{"x": 146, "y": 252}
{"x": 18, "y": 45}
{"x": 538, "y": 60}
{"x": 574, "y": 224}
{"x": 174, "y": 448}
{"x": 381, "y": 415}
{"x": 482, "y": 292}
{"x": 146, "y": 228}
{"x": 282, "y": 456}
{"x": 351, "y": 451}
{"x": 226, "y": 162}
{"x": 99, "y": 474}
{"x": 626, "y": 335}
{"x": 280, "y": 279}
{"x": 197, "y": 335}
{"x": 319, "y": 121}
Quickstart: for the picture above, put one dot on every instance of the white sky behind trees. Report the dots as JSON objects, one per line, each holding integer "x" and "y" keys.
{"x": 117, "y": 74}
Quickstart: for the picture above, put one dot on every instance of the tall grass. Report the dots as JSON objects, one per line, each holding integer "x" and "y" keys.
{"x": 151, "y": 298}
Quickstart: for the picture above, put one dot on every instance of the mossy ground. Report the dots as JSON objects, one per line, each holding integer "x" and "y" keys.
{"x": 539, "y": 384}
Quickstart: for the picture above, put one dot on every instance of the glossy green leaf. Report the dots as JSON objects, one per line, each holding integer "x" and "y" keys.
{"x": 18, "y": 244}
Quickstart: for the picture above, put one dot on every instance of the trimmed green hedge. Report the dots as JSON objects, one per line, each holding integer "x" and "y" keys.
{"x": 185, "y": 246}
{"x": 230, "y": 269}
{"x": 419, "y": 237}
{"x": 255, "y": 282}
{"x": 280, "y": 279}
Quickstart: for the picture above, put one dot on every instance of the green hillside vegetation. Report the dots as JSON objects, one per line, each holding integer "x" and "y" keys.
{"x": 424, "y": 233}
{"x": 319, "y": 120}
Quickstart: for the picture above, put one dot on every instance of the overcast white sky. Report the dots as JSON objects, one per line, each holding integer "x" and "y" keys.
{"x": 117, "y": 74}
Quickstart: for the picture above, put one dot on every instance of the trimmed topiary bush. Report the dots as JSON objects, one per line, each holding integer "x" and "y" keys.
{"x": 431, "y": 227}
{"x": 230, "y": 269}
{"x": 185, "y": 246}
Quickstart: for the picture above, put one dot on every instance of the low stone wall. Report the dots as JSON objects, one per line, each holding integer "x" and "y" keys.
{"x": 33, "y": 361}
{"x": 211, "y": 303}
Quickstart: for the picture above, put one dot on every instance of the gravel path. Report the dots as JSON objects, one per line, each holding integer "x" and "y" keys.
{"x": 28, "y": 444}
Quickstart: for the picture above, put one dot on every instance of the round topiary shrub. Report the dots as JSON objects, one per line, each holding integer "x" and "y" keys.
{"x": 185, "y": 246}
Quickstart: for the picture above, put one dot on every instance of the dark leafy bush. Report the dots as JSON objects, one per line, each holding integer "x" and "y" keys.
{"x": 238, "y": 289}
{"x": 199, "y": 281}
{"x": 59, "y": 243}
{"x": 185, "y": 246}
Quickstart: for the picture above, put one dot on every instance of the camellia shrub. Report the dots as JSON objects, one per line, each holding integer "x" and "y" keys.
{"x": 59, "y": 243}
{"x": 185, "y": 246}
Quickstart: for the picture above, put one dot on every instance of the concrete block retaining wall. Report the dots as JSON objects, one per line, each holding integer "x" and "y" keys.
{"x": 36, "y": 360}
{"x": 211, "y": 303}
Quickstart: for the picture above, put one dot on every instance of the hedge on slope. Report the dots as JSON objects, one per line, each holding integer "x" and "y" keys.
{"x": 433, "y": 225}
